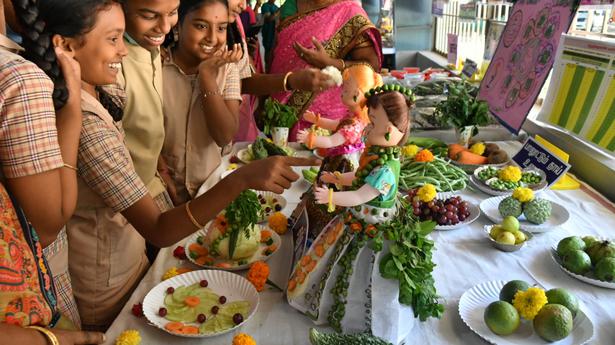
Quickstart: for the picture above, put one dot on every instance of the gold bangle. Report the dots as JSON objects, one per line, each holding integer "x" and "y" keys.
{"x": 286, "y": 88}
{"x": 53, "y": 340}
{"x": 211, "y": 93}
{"x": 343, "y": 65}
{"x": 191, "y": 217}
{"x": 331, "y": 207}
{"x": 69, "y": 166}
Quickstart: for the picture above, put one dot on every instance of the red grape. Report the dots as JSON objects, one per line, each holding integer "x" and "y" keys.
{"x": 201, "y": 318}
{"x": 237, "y": 318}
{"x": 162, "y": 312}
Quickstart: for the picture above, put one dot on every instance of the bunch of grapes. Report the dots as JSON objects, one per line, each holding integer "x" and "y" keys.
{"x": 444, "y": 212}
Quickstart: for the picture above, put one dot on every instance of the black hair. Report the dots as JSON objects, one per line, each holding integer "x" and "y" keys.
{"x": 233, "y": 36}
{"x": 397, "y": 108}
{"x": 41, "y": 19}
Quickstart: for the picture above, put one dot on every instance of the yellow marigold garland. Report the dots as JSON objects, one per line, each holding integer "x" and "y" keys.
{"x": 523, "y": 194}
{"x": 427, "y": 193}
{"x": 478, "y": 148}
{"x": 510, "y": 174}
{"x": 410, "y": 151}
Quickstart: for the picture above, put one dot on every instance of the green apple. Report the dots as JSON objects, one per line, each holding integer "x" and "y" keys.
{"x": 511, "y": 224}
{"x": 506, "y": 237}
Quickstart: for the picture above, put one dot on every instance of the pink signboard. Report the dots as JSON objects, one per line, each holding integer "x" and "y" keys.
{"x": 524, "y": 57}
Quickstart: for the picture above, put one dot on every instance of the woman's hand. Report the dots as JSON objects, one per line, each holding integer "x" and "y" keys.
{"x": 316, "y": 57}
{"x": 329, "y": 177}
{"x": 72, "y": 75}
{"x": 321, "y": 195}
{"x": 273, "y": 174}
{"x": 309, "y": 79}
{"x": 302, "y": 136}
{"x": 78, "y": 337}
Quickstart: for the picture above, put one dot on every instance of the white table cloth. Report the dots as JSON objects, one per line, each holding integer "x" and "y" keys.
{"x": 464, "y": 258}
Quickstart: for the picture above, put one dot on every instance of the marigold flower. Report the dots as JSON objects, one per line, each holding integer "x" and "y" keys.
{"x": 478, "y": 148}
{"x": 243, "y": 339}
{"x": 278, "y": 223}
{"x": 129, "y": 337}
{"x": 424, "y": 156}
{"x": 427, "y": 193}
{"x": 528, "y": 303}
{"x": 523, "y": 194}
{"x": 510, "y": 174}
{"x": 170, "y": 273}
{"x": 410, "y": 151}
{"x": 258, "y": 275}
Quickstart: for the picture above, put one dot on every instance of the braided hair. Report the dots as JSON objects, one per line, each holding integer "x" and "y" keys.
{"x": 41, "y": 19}
{"x": 233, "y": 36}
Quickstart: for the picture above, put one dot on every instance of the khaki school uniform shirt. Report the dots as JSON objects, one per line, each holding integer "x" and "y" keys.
{"x": 107, "y": 255}
{"x": 189, "y": 149}
{"x": 141, "y": 78}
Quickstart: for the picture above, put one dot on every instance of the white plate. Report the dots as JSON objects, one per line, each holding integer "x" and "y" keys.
{"x": 244, "y": 155}
{"x": 258, "y": 255}
{"x": 474, "y": 214}
{"x": 234, "y": 287}
{"x": 472, "y": 307}
{"x": 589, "y": 279}
{"x": 483, "y": 187}
{"x": 559, "y": 215}
{"x": 269, "y": 196}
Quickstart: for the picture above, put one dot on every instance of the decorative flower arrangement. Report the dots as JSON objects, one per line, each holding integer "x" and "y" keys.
{"x": 129, "y": 337}
{"x": 410, "y": 151}
{"x": 278, "y": 223}
{"x": 424, "y": 156}
{"x": 243, "y": 339}
{"x": 528, "y": 303}
{"x": 510, "y": 174}
{"x": 523, "y": 194}
{"x": 258, "y": 275}
{"x": 427, "y": 193}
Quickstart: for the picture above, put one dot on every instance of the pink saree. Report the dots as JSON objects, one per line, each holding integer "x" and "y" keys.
{"x": 339, "y": 27}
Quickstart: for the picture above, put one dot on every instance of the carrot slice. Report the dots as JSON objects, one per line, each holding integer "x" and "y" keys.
{"x": 311, "y": 266}
{"x": 204, "y": 260}
{"x": 330, "y": 239}
{"x": 265, "y": 236}
{"x": 189, "y": 330}
{"x": 192, "y": 301}
{"x": 223, "y": 265}
{"x": 305, "y": 260}
{"x": 198, "y": 249}
{"x": 174, "y": 327}
{"x": 292, "y": 285}
{"x": 300, "y": 277}
{"x": 319, "y": 250}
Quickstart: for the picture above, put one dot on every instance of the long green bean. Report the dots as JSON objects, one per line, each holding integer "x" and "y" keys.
{"x": 443, "y": 175}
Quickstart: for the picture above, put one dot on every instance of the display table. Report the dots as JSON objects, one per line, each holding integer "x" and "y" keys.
{"x": 464, "y": 258}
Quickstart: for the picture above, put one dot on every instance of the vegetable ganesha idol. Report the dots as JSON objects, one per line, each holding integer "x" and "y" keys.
{"x": 347, "y": 136}
{"x": 338, "y": 281}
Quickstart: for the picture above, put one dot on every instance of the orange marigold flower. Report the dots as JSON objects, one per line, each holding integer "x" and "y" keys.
{"x": 424, "y": 156}
{"x": 258, "y": 274}
{"x": 278, "y": 223}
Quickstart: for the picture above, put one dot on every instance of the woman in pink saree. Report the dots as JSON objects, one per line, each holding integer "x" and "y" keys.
{"x": 323, "y": 33}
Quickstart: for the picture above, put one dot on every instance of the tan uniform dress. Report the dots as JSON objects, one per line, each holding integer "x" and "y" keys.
{"x": 107, "y": 254}
{"x": 189, "y": 150}
{"x": 141, "y": 78}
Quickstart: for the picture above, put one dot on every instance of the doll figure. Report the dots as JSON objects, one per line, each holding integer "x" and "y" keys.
{"x": 346, "y": 139}
{"x": 337, "y": 280}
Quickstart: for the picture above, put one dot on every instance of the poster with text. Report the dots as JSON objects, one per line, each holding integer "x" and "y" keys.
{"x": 524, "y": 57}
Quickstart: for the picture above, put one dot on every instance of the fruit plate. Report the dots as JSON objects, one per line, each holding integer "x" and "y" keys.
{"x": 559, "y": 215}
{"x": 234, "y": 287}
{"x": 269, "y": 200}
{"x": 474, "y": 214}
{"x": 235, "y": 265}
{"x": 472, "y": 307}
{"x": 589, "y": 278}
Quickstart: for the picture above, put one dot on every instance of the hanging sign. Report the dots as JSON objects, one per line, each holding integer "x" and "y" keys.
{"x": 524, "y": 57}
{"x": 452, "y": 49}
{"x": 535, "y": 155}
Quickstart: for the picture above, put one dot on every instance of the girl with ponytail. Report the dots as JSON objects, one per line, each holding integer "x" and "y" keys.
{"x": 115, "y": 211}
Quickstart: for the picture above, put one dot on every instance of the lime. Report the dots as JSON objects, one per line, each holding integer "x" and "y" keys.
{"x": 501, "y": 318}
{"x": 510, "y": 223}
{"x": 511, "y": 288}
{"x": 553, "y": 322}
{"x": 496, "y": 230}
{"x": 577, "y": 261}
{"x": 569, "y": 244}
{"x": 565, "y": 298}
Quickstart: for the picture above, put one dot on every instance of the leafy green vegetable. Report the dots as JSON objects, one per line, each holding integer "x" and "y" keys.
{"x": 241, "y": 215}
{"x": 318, "y": 338}
{"x": 273, "y": 149}
{"x": 258, "y": 149}
{"x": 461, "y": 108}
{"x": 410, "y": 262}
{"x": 278, "y": 115}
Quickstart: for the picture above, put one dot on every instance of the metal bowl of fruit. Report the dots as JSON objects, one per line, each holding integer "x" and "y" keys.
{"x": 507, "y": 241}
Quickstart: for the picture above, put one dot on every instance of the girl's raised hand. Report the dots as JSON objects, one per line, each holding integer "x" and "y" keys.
{"x": 72, "y": 75}
{"x": 234, "y": 55}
